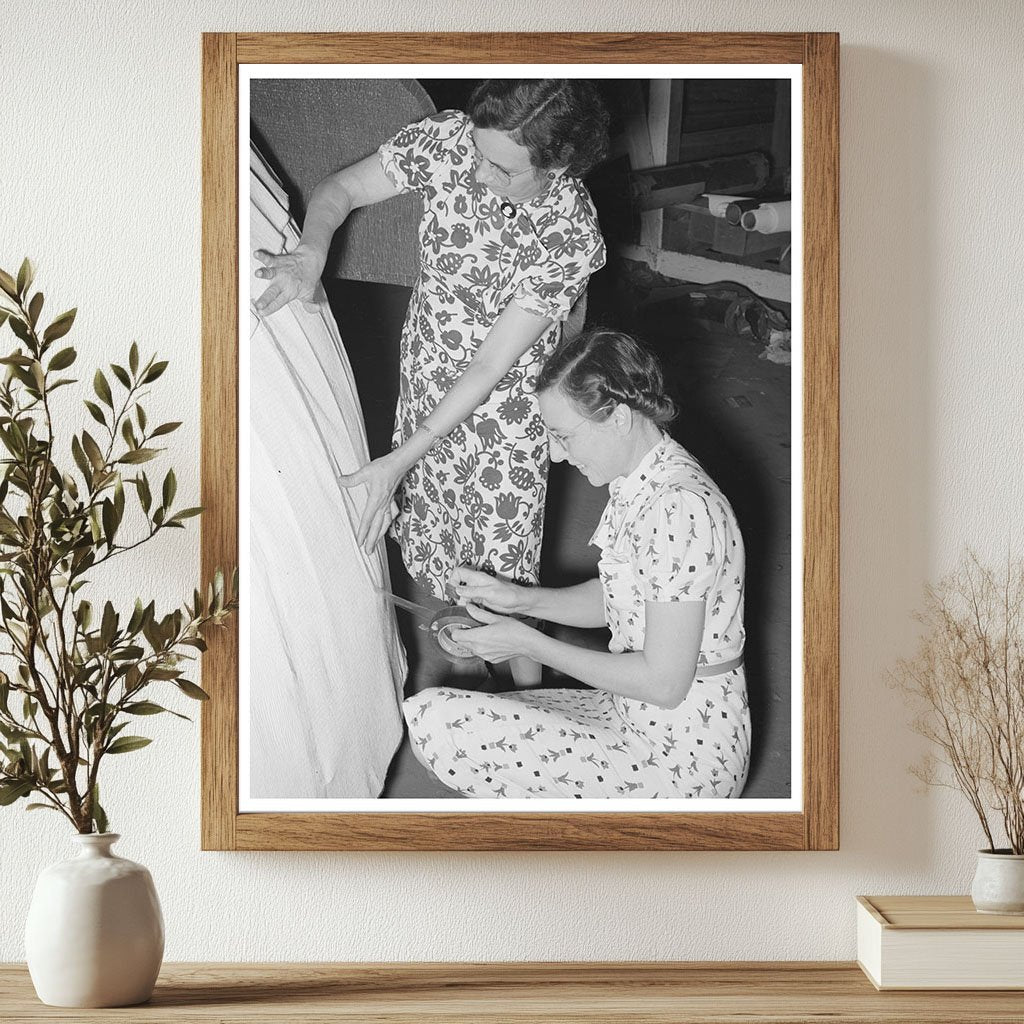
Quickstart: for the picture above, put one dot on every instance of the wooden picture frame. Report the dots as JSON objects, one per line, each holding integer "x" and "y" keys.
{"x": 815, "y": 826}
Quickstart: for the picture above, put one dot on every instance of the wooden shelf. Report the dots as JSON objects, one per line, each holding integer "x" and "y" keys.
{"x": 658, "y": 993}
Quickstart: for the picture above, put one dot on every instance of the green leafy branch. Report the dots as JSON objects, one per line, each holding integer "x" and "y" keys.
{"x": 80, "y": 676}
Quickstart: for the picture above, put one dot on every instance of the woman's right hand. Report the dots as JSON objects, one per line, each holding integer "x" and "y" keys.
{"x": 473, "y": 586}
{"x": 292, "y": 275}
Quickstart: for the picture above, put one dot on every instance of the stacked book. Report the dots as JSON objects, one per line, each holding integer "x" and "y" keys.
{"x": 938, "y": 942}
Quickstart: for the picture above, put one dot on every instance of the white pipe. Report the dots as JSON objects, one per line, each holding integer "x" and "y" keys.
{"x": 767, "y": 218}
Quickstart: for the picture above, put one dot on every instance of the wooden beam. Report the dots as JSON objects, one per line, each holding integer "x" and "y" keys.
{"x": 681, "y": 266}
{"x": 641, "y": 155}
{"x": 664, "y": 118}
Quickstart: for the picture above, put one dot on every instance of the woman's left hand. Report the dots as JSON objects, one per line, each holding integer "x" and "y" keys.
{"x": 498, "y": 639}
{"x": 381, "y": 479}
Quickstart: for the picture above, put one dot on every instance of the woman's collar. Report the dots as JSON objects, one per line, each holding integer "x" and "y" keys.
{"x": 625, "y": 487}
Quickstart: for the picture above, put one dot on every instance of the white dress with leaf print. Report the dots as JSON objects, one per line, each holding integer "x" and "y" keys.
{"x": 666, "y": 534}
{"x": 477, "y": 497}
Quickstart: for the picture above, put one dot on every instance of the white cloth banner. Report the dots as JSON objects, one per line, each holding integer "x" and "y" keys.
{"x": 326, "y": 664}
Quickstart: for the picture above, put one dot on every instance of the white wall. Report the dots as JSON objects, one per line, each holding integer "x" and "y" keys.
{"x": 100, "y": 183}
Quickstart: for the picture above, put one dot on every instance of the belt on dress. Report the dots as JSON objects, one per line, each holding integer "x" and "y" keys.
{"x": 704, "y": 671}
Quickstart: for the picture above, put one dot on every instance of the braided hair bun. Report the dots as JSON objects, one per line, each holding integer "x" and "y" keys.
{"x": 600, "y": 368}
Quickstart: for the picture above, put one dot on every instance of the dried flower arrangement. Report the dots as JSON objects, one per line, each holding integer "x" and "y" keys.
{"x": 967, "y": 680}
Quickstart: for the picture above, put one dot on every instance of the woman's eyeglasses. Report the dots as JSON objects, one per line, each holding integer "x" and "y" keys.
{"x": 562, "y": 438}
{"x": 499, "y": 175}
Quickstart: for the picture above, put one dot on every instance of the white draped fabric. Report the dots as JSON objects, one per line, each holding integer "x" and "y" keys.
{"x": 326, "y": 666}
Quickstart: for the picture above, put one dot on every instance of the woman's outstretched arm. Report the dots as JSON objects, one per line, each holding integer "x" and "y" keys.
{"x": 295, "y": 275}
{"x": 513, "y": 333}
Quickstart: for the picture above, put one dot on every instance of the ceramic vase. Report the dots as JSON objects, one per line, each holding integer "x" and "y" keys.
{"x": 95, "y": 934}
{"x": 999, "y": 882}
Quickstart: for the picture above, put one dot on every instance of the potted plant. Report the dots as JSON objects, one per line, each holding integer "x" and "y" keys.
{"x": 79, "y": 672}
{"x": 967, "y": 681}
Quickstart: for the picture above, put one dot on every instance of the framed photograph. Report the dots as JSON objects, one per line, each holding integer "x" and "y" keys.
{"x": 520, "y": 419}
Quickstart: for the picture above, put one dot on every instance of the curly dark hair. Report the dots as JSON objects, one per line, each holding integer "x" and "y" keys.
{"x": 561, "y": 121}
{"x": 600, "y": 369}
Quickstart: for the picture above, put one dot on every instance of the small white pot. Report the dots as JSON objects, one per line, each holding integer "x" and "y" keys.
{"x": 95, "y": 933}
{"x": 999, "y": 882}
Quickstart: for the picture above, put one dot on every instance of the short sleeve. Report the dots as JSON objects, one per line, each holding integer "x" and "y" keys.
{"x": 571, "y": 249}
{"x": 672, "y": 542}
{"x": 419, "y": 153}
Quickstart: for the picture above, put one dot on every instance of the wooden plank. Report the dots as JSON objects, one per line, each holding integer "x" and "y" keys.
{"x": 467, "y": 831}
{"x": 736, "y": 174}
{"x": 682, "y": 266}
{"x": 821, "y": 439}
{"x": 664, "y": 139}
{"x": 640, "y": 147}
{"x": 638, "y": 135}
{"x": 725, "y": 141}
{"x": 525, "y": 993}
{"x": 524, "y": 47}
{"x": 679, "y": 196}
{"x": 667, "y": 95}
{"x": 781, "y": 127}
{"x": 219, "y": 433}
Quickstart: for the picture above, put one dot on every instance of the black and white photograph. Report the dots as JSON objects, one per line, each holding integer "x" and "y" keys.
{"x": 520, "y": 453}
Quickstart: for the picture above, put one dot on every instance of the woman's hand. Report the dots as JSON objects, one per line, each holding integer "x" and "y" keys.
{"x": 471, "y": 585}
{"x": 381, "y": 479}
{"x": 293, "y": 275}
{"x": 499, "y": 639}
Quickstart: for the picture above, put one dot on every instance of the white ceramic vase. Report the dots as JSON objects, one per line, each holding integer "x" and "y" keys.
{"x": 999, "y": 883}
{"x": 95, "y": 933}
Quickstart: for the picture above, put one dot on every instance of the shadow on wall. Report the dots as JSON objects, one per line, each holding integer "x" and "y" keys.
{"x": 889, "y": 268}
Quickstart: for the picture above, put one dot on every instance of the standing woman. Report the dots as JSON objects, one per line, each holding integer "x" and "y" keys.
{"x": 667, "y": 715}
{"x": 508, "y": 239}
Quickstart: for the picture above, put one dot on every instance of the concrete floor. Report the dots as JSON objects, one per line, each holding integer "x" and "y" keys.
{"x": 735, "y": 417}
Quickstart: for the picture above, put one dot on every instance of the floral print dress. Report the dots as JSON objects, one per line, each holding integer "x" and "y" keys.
{"x": 666, "y": 534}
{"x": 477, "y": 497}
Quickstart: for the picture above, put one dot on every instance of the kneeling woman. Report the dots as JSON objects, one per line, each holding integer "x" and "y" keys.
{"x": 667, "y": 715}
